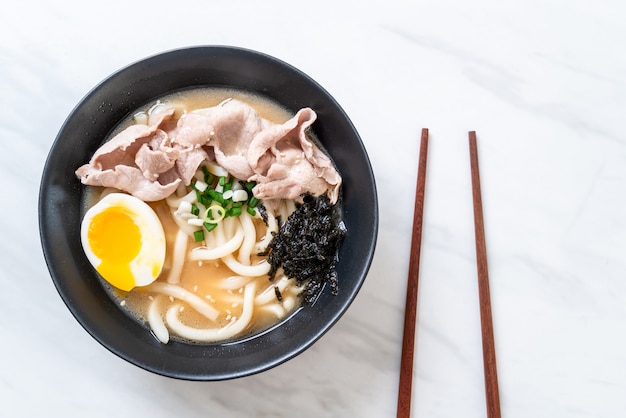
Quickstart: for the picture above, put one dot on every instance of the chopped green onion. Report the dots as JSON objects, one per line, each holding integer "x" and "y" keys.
{"x": 205, "y": 170}
{"x": 209, "y": 226}
{"x": 205, "y": 200}
{"x": 222, "y": 194}
{"x": 217, "y": 196}
{"x": 210, "y": 217}
{"x": 195, "y": 209}
{"x": 231, "y": 183}
{"x": 200, "y": 186}
{"x": 194, "y": 221}
{"x": 227, "y": 195}
{"x": 198, "y": 235}
{"x": 184, "y": 207}
{"x": 240, "y": 196}
{"x": 249, "y": 185}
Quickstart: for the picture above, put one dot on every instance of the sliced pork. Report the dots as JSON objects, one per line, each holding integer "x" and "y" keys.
{"x": 157, "y": 156}
{"x": 150, "y": 162}
{"x": 287, "y": 164}
{"x": 228, "y": 128}
{"x": 133, "y": 160}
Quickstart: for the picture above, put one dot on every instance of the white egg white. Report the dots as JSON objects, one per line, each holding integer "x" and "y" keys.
{"x": 152, "y": 251}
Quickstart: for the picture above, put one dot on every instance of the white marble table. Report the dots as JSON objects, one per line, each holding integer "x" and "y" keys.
{"x": 544, "y": 85}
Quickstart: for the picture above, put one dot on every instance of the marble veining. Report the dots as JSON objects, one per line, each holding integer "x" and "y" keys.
{"x": 544, "y": 85}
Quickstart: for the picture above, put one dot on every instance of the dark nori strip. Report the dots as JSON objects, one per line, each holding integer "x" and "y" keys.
{"x": 279, "y": 296}
{"x": 307, "y": 245}
{"x": 262, "y": 212}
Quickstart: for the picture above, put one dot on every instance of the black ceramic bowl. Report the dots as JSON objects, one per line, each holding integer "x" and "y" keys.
{"x": 98, "y": 114}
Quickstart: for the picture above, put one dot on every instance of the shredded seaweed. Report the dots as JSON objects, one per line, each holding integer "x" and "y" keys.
{"x": 279, "y": 296}
{"x": 262, "y": 212}
{"x": 306, "y": 247}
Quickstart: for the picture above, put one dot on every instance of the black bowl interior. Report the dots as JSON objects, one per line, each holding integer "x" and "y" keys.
{"x": 60, "y": 210}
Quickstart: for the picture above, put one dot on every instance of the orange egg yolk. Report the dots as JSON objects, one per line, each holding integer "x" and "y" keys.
{"x": 116, "y": 240}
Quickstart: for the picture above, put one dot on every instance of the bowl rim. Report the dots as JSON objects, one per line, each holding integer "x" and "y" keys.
{"x": 50, "y": 219}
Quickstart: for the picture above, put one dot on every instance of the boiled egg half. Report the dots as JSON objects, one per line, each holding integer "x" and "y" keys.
{"x": 124, "y": 240}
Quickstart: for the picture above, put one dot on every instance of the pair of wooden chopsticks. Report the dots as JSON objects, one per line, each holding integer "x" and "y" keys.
{"x": 408, "y": 343}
